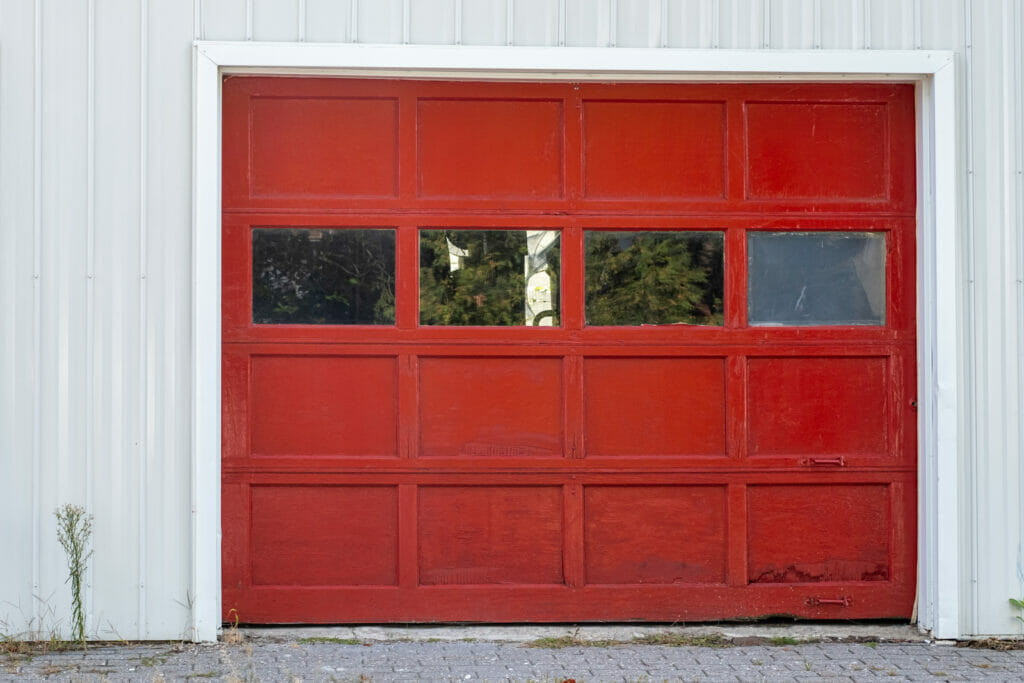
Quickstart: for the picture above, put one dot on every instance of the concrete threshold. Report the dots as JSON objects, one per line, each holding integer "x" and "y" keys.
{"x": 738, "y": 634}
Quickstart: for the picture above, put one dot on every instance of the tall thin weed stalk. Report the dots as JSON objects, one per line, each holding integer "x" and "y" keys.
{"x": 74, "y": 529}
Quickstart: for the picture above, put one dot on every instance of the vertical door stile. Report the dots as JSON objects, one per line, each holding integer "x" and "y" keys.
{"x": 572, "y": 136}
{"x": 573, "y": 551}
{"x": 407, "y": 275}
{"x": 406, "y": 149}
{"x": 408, "y": 554}
{"x": 736, "y": 408}
{"x": 408, "y": 406}
{"x": 736, "y": 150}
{"x": 737, "y": 534}
{"x": 572, "y": 405}
{"x": 735, "y": 303}
{"x": 572, "y": 291}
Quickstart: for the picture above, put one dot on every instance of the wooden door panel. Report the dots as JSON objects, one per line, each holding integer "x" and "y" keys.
{"x": 655, "y": 534}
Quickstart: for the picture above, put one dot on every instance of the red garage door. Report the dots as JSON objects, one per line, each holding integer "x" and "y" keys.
{"x": 565, "y": 352}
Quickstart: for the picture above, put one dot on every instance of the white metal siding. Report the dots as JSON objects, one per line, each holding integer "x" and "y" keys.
{"x": 95, "y": 264}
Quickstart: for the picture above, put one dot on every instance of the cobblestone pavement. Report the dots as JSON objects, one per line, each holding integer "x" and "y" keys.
{"x": 327, "y": 658}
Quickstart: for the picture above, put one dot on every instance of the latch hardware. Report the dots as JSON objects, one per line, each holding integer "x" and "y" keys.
{"x": 842, "y": 602}
{"x": 838, "y": 462}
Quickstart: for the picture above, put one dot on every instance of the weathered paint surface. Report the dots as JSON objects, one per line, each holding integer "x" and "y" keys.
{"x": 95, "y": 208}
{"x": 571, "y": 472}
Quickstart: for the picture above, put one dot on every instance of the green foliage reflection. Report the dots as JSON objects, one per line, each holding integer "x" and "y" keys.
{"x": 654, "y": 278}
{"x": 479, "y": 277}
{"x": 323, "y": 277}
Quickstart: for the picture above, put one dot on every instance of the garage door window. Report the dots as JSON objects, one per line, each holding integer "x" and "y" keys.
{"x": 316, "y": 276}
{"x": 489, "y": 277}
{"x": 654, "y": 278}
{"x": 816, "y": 278}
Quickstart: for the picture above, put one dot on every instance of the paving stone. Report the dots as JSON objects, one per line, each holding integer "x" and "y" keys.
{"x": 284, "y": 660}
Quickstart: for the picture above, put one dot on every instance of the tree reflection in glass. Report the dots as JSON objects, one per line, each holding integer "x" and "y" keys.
{"x": 489, "y": 277}
{"x": 318, "y": 276}
{"x": 654, "y": 278}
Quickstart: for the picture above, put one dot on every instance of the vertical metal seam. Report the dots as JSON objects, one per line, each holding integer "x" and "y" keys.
{"x": 613, "y": 22}
{"x": 917, "y": 24}
{"x": 37, "y": 313}
{"x": 457, "y": 19}
{"x": 302, "y": 21}
{"x": 856, "y": 8}
{"x": 1018, "y": 68}
{"x": 198, "y": 22}
{"x": 816, "y": 24}
{"x": 145, "y": 442}
{"x": 90, "y": 281}
{"x": 704, "y": 23}
{"x": 716, "y": 25}
{"x": 766, "y": 24}
{"x": 353, "y": 21}
{"x": 248, "y": 19}
{"x": 561, "y": 23}
{"x": 510, "y": 22}
{"x": 970, "y": 341}
{"x": 1008, "y": 257}
{"x": 664, "y": 23}
{"x": 867, "y": 24}
{"x": 406, "y": 28}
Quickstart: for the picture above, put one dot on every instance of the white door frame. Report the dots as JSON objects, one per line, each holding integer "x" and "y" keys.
{"x": 939, "y": 281}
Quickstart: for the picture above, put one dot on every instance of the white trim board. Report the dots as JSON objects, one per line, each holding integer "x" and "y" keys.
{"x": 939, "y": 281}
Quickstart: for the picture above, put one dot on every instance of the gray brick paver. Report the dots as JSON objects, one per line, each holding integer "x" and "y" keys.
{"x": 494, "y": 662}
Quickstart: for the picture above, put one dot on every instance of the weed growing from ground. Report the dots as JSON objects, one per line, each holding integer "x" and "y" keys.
{"x": 74, "y": 528}
{"x": 715, "y": 640}
{"x": 313, "y": 640}
{"x": 1019, "y": 604}
{"x": 784, "y": 640}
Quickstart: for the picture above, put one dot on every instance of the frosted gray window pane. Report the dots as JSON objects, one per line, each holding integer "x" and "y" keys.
{"x": 816, "y": 278}
{"x": 654, "y": 278}
{"x": 489, "y": 277}
{"x": 314, "y": 276}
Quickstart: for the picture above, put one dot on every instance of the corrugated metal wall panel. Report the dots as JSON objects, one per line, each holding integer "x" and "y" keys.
{"x": 639, "y": 23}
{"x": 17, "y": 302}
{"x": 891, "y": 24}
{"x": 994, "y": 219}
{"x": 225, "y": 20}
{"x": 62, "y": 371}
{"x": 276, "y": 20}
{"x": 792, "y": 24}
{"x": 94, "y": 371}
{"x": 842, "y": 24}
{"x": 379, "y": 21}
{"x": 741, "y": 24}
{"x": 168, "y": 335}
{"x": 690, "y": 23}
{"x": 432, "y": 22}
{"x": 535, "y": 22}
{"x": 328, "y": 21}
{"x": 942, "y": 25}
{"x": 588, "y": 23}
{"x": 484, "y": 23}
{"x": 119, "y": 382}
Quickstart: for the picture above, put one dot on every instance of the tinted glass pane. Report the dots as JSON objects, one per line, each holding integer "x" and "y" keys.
{"x": 323, "y": 276}
{"x": 654, "y": 278}
{"x": 489, "y": 277}
{"x": 816, "y": 278}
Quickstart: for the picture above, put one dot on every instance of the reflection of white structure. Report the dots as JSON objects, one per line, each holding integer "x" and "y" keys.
{"x": 537, "y": 302}
{"x": 538, "y": 306}
{"x": 455, "y": 255}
